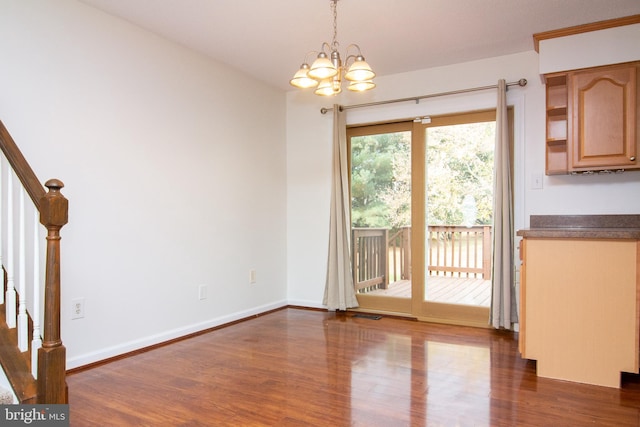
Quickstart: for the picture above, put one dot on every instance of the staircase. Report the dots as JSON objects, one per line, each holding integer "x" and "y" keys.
{"x": 31, "y": 352}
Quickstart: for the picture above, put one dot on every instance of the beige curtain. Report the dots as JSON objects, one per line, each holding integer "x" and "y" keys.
{"x": 503, "y": 299}
{"x": 339, "y": 292}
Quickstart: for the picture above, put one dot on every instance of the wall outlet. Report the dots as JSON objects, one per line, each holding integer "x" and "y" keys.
{"x": 77, "y": 308}
{"x": 202, "y": 292}
{"x": 252, "y": 276}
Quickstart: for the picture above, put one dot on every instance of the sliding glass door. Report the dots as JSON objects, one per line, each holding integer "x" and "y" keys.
{"x": 421, "y": 208}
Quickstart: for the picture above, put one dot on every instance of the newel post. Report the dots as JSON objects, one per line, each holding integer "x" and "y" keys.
{"x": 52, "y": 385}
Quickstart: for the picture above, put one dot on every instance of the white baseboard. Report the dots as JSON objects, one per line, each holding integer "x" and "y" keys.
{"x": 308, "y": 304}
{"x": 109, "y": 352}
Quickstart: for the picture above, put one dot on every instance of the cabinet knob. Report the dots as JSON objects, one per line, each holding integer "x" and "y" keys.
{"x": 632, "y": 158}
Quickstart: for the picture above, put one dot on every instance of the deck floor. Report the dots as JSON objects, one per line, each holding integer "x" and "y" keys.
{"x": 451, "y": 290}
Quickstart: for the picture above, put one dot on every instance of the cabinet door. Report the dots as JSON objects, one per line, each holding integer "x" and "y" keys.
{"x": 581, "y": 308}
{"x": 603, "y": 118}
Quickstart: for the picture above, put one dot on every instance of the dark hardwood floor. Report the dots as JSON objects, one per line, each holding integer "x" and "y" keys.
{"x": 311, "y": 368}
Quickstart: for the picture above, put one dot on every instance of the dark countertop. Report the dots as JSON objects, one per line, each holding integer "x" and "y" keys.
{"x": 583, "y": 226}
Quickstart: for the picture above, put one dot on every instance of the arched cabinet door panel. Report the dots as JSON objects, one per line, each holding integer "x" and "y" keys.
{"x": 603, "y": 118}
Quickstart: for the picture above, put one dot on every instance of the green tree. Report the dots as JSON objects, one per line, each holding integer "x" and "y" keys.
{"x": 460, "y": 170}
{"x": 377, "y": 162}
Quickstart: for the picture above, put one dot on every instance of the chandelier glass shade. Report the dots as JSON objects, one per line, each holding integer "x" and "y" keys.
{"x": 327, "y": 70}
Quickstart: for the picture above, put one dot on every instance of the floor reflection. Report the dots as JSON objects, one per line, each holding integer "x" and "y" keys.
{"x": 414, "y": 378}
{"x": 405, "y": 373}
{"x": 459, "y": 379}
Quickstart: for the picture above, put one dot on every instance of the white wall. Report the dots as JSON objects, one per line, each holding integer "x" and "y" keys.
{"x": 174, "y": 167}
{"x": 182, "y": 172}
{"x": 309, "y": 151}
{"x": 590, "y": 49}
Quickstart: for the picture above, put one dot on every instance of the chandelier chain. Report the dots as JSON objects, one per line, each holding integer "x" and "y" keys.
{"x": 334, "y": 8}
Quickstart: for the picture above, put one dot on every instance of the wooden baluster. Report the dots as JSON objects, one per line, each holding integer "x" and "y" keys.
{"x": 370, "y": 258}
{"x": 432, "y": 243}
{"x": 471, "y": 262}
{"x": 371, "y": 261}
{"x": 454, "y": 241}
{"x": 52, "y": 387}
{"x": 458, "y": 262}
{"x": 367, "y": 258}
{"x": 406, "y": 251}
{"x": 435, "y": 254}
{"x": 398, "y": 254}
{"x": 452, "y": 261}
{"x": 384, "y": 258}
{"x": 443, "y": 261}
{"x": 361, "y": 262}
{"x": 375, "y": 252}
{"x": 391, "y": 258}
{"x": 373, "y": 243}
{"x": 476, "y": 251}
{"x": 486, "y": 252}
{"x": 449, "y": 258}
{"x": 375, "y": 248}
{"x": 354, "y": 257}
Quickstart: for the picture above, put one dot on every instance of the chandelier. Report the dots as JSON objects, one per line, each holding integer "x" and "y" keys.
{"x": 325, "y": 74}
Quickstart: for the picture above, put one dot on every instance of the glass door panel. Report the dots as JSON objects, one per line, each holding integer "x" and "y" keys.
{"x": 452, "y": 204}
{"x": 380, "y": 182}
{"x": 459, "y": 205}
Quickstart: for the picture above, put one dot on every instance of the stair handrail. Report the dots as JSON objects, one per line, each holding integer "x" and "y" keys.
{"x": 21, "y": 167}
{"x": 53, "y": 208}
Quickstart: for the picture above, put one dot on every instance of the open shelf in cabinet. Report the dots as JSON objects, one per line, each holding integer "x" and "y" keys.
{"x": 556, "y": 124}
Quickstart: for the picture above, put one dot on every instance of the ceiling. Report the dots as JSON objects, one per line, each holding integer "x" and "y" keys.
{"x": 269, "y": 39}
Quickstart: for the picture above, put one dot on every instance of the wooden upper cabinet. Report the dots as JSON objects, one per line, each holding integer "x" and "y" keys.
{"x": 593, "y": 119}
{"x": 603, "y": 117}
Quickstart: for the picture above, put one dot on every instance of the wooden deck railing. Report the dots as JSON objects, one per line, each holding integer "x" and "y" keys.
{"x": 456, "y": 250}
{"x": 369, "y": 257}
{"x": 380, "y": 258}
{"x": 49, "y": 367}
{"x": 399, "y": 249}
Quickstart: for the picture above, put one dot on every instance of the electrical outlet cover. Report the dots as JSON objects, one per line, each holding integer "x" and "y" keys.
{"x": 77, "y": 308}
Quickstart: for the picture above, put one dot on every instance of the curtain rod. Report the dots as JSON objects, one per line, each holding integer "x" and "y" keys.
{"x": 521, "y": 82}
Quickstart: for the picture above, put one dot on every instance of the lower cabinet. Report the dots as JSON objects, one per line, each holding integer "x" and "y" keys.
{"x": 579, "y": 308}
